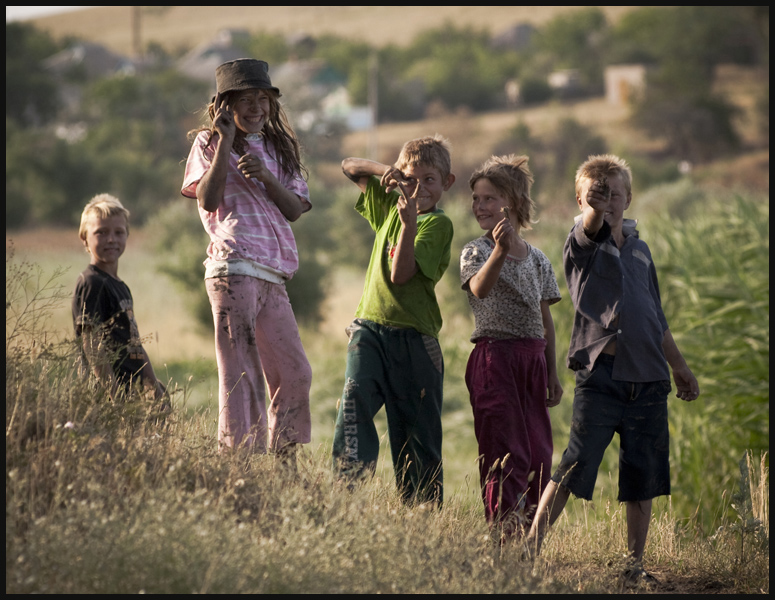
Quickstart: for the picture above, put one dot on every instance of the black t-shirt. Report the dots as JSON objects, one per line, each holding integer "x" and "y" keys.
{"x": 105, "y": 303}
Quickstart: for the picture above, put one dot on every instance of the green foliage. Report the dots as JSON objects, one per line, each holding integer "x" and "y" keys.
{"x": 135, "y": 140}
{"x": 271, "y": 47}
{"x": 577, "y": 40}
{"x": 309, "y": 286}
{"x": 713, "y": 266}
{"x": 458, "y": 67}
{"x": 678, "y": 104}
{"x": 534, "y": 90}
{"x": 181, "y": 242}
{"x": 30, "y": 91}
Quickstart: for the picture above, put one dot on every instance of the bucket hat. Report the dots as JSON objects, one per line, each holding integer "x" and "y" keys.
{"x": 243, "y": 74}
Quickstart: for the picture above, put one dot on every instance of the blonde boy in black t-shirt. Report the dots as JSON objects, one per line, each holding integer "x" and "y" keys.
{"x": 103, "y": 314}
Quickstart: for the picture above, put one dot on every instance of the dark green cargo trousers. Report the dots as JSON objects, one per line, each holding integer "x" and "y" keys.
{"x": 404, "y": 371}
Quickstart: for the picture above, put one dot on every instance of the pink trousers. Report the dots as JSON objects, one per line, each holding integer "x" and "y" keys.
{"x": 256, "y": 342}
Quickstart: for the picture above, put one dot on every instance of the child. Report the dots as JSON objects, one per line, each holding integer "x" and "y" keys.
{"x": 393, "y": 357}
{"x": 511, "y": 373}
{"x": 103, "y": 313}
{"x": 620, "y": 349}
{"x": 246, "y": 173}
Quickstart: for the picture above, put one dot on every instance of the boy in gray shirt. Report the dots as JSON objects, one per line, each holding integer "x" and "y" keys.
{"x": 620, "y": 349}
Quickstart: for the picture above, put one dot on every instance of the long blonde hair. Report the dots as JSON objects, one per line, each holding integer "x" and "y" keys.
{"x": 277, "y": 130}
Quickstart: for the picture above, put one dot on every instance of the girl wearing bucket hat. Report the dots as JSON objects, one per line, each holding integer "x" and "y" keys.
{"x": 245, "y": 171}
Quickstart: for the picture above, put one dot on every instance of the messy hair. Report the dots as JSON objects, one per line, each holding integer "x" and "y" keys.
{"x": 433, "y": 151}
{"x": 277, "y": 130}
{"x": 102, "y": 206}
{"x": 604, "y": 165}
{"x": 511, "y": 176}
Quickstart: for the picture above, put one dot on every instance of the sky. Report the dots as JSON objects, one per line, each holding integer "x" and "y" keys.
{"x": 19, "y": 13}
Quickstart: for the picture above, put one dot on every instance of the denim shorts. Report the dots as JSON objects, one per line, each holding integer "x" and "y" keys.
{"x": 638, "y": 413}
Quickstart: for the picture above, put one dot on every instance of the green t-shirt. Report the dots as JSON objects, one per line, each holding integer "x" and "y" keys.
{"x": 413, "y": 304}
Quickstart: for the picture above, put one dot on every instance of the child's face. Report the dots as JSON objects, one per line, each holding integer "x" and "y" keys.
{"x": 487, "y": 203}
{"x": 106, "y": 240}
{"x": 619, "y": 202}
{"x": 251, "y": 110}
{"x": 426, "y": 185}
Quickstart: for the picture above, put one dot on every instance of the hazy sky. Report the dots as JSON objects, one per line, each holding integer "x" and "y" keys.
{"x": 19, "y": 13}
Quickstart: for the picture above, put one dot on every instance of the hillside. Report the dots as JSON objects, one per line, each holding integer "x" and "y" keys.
{"x": 178, "y": 28}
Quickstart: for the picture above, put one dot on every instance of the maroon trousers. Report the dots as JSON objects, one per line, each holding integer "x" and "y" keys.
{"x": 507, "y": 383}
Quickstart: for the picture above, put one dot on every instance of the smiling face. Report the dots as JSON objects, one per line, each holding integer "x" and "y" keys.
{"x": 426, "y": 185}
{"x": 251, "y": 109}
{"x": 105, "y": 240}
{"x": 487, "y": 203}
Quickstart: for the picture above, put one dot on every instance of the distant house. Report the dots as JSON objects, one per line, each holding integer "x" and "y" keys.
{"x": 312, "y": 77}
{"x": 319, "y": 93}
{"x": 88, "y": 60}
{"x": 565, "y": 83}
{"x": 624, "y": 83}
{"x": 338, "y": 106}
{"x": 200, "y": 62}
{"x": 517, "y": 37}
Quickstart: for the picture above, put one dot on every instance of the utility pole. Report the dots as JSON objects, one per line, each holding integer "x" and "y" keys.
{"x": 373, "y": 104}
{"x": 137, "y": 48}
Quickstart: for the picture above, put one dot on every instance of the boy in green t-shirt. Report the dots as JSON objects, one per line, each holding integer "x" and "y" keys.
{"x": 394, "y": 357}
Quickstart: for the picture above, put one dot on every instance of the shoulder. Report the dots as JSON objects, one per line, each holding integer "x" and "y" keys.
{"x": 90, "y": 277}
{"x": 437, "y": 218}
{"x": 476, "y": 249}
{"x": 480, "y": 243}
{"x": 539, "y": 256}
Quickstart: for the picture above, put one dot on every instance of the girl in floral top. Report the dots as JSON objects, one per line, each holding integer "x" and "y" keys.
{"x": 511, "y": 373}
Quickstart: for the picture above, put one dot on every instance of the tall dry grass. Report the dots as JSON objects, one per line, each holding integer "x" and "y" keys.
{"x": 106, "y": 498}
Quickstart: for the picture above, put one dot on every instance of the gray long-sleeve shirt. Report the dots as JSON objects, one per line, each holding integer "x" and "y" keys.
{"x": 616, "y": 296}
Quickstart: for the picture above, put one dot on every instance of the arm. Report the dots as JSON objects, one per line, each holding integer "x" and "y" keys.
{"x": 686, "y": 384}
{"x": 594, "y": 207}
{"x": 291, "y": 205}
{"x": 150, "y": 380}
{"x": 358, "y": 170}
{"x": 484, "y": 280}
{"x": 554, "y": 387}
{"x": 209, "y": 191}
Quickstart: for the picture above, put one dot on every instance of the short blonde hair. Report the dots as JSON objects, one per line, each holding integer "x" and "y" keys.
{"x": 604, "y": 165}
{"x": 433, "y": 151}
{"x": 102, "y": 206}
{"x": 511, "y": 176}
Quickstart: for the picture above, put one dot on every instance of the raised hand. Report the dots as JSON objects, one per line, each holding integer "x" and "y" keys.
{"x": 223, "y": 119}
{"x": 407, "y": 206}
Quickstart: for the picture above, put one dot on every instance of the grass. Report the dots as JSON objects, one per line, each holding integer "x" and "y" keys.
{"x": 103, "y": 498}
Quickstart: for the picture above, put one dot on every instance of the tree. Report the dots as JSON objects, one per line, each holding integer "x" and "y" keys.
{"x": 576, "y": 40}
{"x": 30, "y": 91}
{"x": 685, "y": 44}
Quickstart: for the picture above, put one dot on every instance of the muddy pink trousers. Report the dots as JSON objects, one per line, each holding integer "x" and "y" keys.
{"x": 507, "y": 383}
{"x": 256, "y": 342}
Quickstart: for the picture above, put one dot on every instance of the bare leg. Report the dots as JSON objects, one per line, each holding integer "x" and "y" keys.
{"x": 550, "y": 507}
{"x": 638, "y": 519}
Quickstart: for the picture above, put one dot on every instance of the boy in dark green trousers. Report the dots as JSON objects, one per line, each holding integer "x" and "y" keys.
{"x": 393, "y": 357}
